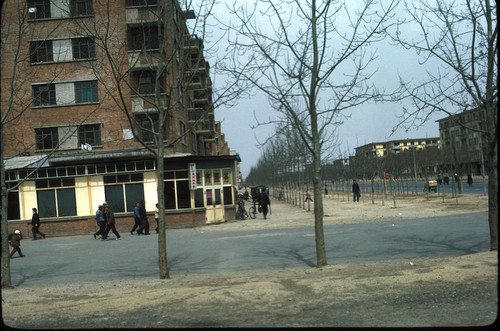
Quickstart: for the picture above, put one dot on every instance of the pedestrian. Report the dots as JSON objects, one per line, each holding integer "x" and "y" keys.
{"x": 35, "y": 223}
{"x": 137, "y": 218}
{"x": 157, "y": 217}
{"x": 101, "y": 223}
{"x": 469, "y": 179}
{"x": 144, "y": 218}
{"x": 15, "y": 241}
{"x": 265, "y": 203}
{"x": 355, "y": 191}
{"x": 109, "y": 216}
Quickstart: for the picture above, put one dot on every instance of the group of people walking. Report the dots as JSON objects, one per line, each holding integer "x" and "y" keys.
{"x": 105, "y": 219}
{"x": 141, "y": 222}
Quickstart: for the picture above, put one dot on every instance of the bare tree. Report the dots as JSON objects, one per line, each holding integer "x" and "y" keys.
{"x": 311, "y": 60}
{"x": 462, "y": 36}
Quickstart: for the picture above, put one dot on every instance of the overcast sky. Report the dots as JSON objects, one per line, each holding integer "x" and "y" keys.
{"x": 367, "y": 123}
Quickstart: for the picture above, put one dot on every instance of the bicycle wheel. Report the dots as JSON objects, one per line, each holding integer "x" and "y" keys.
{"x": 252, "y": 212}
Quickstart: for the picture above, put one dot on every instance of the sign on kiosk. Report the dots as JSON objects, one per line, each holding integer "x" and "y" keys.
{"x": 192, "y": 175}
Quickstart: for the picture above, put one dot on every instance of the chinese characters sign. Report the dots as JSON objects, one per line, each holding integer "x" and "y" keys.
{"x": 192, "y": 176}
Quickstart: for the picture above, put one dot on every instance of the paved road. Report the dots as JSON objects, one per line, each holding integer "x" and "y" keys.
{"x": 81, "y": 258}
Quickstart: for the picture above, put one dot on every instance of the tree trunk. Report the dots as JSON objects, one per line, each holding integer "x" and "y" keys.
{"x": 493, "y": 194}
{"x": 318, "y": 213}
{"x": 6, "y": 282}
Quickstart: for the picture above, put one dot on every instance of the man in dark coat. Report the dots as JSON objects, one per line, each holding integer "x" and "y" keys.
{"x": 144, "y": 218}
{"x": 355, "y": 191}
{"x": 109, "y": 216}
{"x": 265, "y": 202}
{"x": 35, "y": 223}
{"x": 137, "y": 218}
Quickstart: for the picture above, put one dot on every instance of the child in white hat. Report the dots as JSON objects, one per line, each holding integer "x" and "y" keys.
{"x": 15, "y": 241}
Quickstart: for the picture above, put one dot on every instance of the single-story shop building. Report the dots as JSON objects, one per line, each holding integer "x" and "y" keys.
{"x": 68, "y": 188}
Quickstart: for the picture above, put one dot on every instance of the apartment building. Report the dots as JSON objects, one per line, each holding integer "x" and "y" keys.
{"x": 463, "y": 140}
{"x": 381, "y": 149}
{"x": 86, "y": 85}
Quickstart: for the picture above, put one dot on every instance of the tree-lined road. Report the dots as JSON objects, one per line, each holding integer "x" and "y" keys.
{"x": 81, "y": 258}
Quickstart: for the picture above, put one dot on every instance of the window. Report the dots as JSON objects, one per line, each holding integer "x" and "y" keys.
{"x": 123, "y": 196}
{"x": 56, "y": 197}
{"x": 81, "y": 8}
{"x": 46, "y": 138}
{"x": 149, "y": 127}
{"x": 145, "y": 38}
{"x": 44, "y": 95}
{"x": 89, "y": 134}
{"x": 83, "y": 48}
{"x": 86, "y": 91}
{"x": 38, "y": 9}
{"x": 182, "y": 129}
{"x": 146, "y": 82}
{"x": 228, "y": 195}
{"x": 41, "y": 51}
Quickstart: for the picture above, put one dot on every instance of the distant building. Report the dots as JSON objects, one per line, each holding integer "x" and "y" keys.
{"x": 381, "y": 149}
{"x": 463, "y": 140}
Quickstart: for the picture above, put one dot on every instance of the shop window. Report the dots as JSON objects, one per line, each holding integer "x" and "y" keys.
{"x": 198, "y": 198}
{"x": 228, "y": 196}
{"x": 14, "y": 206}
{"x": 122, "y": 197}
{"x": 169, "y": 195}
{"x": 183, "y": 194}
{"x": 57, "y": 201}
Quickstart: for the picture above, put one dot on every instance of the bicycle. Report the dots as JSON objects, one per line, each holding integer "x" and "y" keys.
{"x": 241, "y": 213}
{"x": 252, "y": 211}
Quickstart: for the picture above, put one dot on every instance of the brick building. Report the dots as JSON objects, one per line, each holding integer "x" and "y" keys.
{"x": 86, "y": 84}
{"x": 464, "y": 141}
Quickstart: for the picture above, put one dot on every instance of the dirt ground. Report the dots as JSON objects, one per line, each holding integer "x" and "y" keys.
{"x": 427, "y": 292}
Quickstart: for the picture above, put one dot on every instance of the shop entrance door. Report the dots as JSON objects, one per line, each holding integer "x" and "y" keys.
{"x": 213, "y": 203}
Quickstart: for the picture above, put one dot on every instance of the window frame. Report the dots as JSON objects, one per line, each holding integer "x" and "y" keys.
{"x": 89, "y": 134}
{"x": 41, "y": 51}
{"x": 44, "y": 13}
{"x": 41, "y": 136}
{"x": 84, "y": 90}
{"x": 76, "y": 11}
{"x": 48, "y": 93}
{"x": 83, "y": 48}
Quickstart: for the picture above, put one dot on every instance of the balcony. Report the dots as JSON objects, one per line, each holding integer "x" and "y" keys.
{"x": 201, "y": 97}
{"x": 194, "y": 82}
{"x": 204, "y": 129}
{"x": 193, "y": 45}
{"x": 143, "y": 104}
{"x": 142, "y": 14}
{"x": 143, "y": 59}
